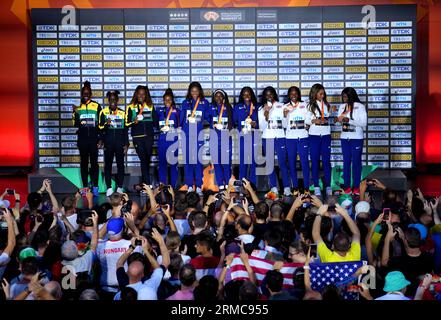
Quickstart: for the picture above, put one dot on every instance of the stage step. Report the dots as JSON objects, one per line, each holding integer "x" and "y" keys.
{"x": 394, "y": 179}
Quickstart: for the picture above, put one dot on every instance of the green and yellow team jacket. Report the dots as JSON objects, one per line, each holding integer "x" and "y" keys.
{"x": 85, "y": 118}
{"x": 112, "y": 124}
{"x": 147, "y": 120}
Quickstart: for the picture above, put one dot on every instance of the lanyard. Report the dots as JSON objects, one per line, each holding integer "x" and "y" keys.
{"x": 142, "y": 109}
{"x": 220, "y": 114}
{"x": 114, "y": 112}
{"x": 195, "y": 107}
{"x": 168, "y": 115}
{"x": 251, "y": 110}
{"x": 347, "y": 109}
{"x": 323, "y": 111}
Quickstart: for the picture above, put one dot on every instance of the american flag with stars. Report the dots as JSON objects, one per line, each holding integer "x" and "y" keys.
{"x": 340, "y": 274}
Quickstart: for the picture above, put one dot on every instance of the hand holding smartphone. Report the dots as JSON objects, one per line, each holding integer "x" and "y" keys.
{"x": 386, "y": 214}
{"x": 331, "y": 209}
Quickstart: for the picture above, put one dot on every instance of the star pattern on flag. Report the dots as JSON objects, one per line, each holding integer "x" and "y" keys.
{"x": 324, "y": 274}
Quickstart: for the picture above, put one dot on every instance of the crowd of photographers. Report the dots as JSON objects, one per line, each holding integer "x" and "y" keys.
{"x": 168, "y": 244}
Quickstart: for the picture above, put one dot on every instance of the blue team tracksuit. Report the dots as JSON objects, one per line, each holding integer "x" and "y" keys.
{"x": 222, "y": 165}
{"x": 320, "y": 145}
{"x": 352, "y": 142}
{"x": 247, "y": 161}
{"x": 163, "y": 144}
{"x": 297, "y": 141}
{"x": 193, "y": 167}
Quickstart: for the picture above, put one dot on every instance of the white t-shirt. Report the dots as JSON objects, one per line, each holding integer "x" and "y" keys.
{"x": 148, "y": 289}
{"x": 4, "y": 260}
{"x": 108, "y": 253}
{"x": 246, "y": 238}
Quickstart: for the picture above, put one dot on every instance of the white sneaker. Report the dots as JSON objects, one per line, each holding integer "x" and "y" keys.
{"x": 109, "y": 192}
{"x": 190, "y": 189}
{"x": 120, "y": 190}
{"x": 317, "y": 191}
{"x": 328, "y": 191}
{"x": 199, "y": 191}
{"x": 221, "y": 188}
{"x": 287, "y": 191}
{"x": 274, "y": 190}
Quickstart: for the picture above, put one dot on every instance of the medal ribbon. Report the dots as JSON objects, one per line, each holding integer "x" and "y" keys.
{"x": 168, "y": 116}
{"x": 195, "y": 107}
{"x": 220, "y": 114}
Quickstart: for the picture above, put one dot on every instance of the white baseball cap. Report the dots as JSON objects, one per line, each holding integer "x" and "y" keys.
{"x": 362, "y": 206}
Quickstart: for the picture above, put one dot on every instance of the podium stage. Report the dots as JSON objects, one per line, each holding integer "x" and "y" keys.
{"x": 394, "y": 179}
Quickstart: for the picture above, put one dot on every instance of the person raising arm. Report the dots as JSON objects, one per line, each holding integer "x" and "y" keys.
{"x": 343, "y": 248}
{"x": 166, "y": 211}
{"x": 351, "y": 224}
{"x": 316, "y": 227}
{"x": 386, "y": 248}
{"x": 249, "y": 188}
{"x": 297, "y": 204}
{"x": 5, "y": 256}
{"x": 369, "y": 248}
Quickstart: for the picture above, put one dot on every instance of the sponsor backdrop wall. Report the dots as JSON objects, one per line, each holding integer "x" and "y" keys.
{"x": 117, "y": 49}
{"x": 227, "y": 48}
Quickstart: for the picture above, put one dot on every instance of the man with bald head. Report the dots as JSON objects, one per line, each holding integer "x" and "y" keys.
{"x": 135, "y": 272}
{"x": 243, "y": 228}
{"x": 146, "y": 290}
{"x": 54, "y": 289}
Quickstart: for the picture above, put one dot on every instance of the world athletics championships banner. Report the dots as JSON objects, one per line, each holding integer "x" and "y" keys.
{"x": 228, "y": 48}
